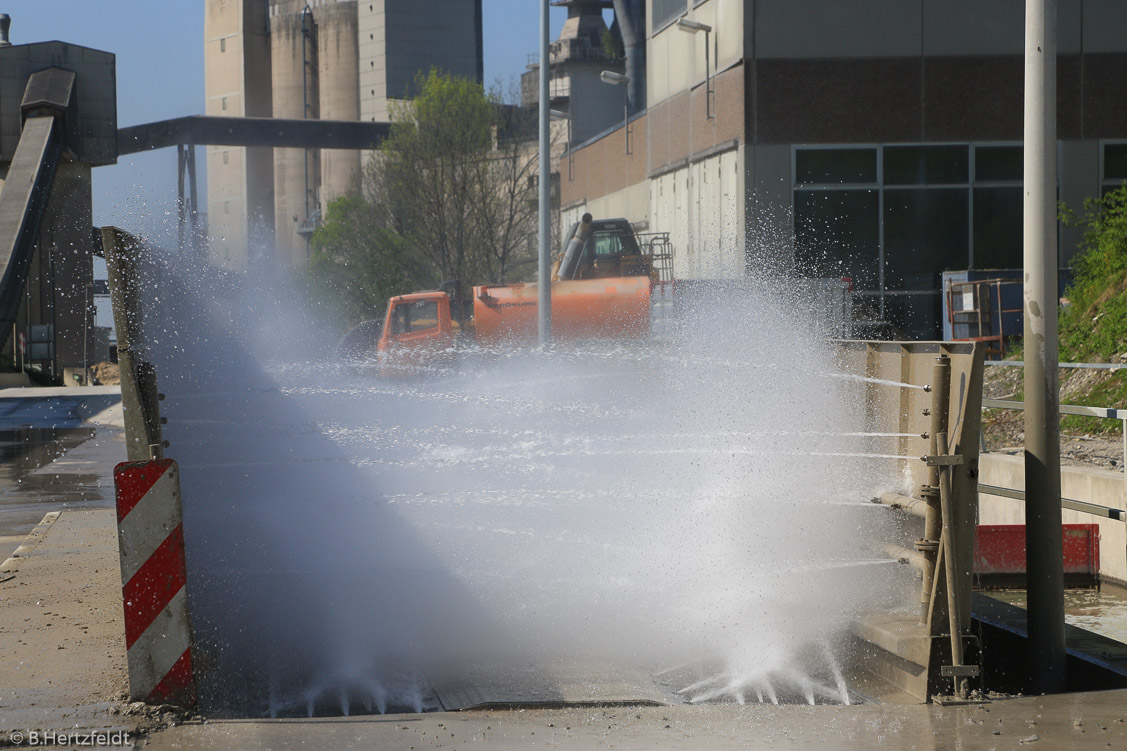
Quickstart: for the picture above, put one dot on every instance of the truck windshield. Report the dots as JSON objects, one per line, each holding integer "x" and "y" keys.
{"x": 613, "y": 241}
{"x": 409, "y": 317}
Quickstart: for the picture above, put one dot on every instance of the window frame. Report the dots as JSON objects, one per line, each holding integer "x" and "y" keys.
{"x": 1105, "y": 181}
{"x": 881, "y": 187}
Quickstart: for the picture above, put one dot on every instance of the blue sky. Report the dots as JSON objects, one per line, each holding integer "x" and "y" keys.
{"x": 159, "y": 48}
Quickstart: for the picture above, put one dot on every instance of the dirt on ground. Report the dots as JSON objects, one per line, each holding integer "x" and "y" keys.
{"x": 106, "y": 374}
{"x": 1004, "y": 430}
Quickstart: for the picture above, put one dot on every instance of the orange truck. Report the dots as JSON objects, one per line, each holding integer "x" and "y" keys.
{"x": 601, "y": 288}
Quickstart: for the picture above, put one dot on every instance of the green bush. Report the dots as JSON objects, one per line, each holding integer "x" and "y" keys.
{"x": 1093, "y": 326}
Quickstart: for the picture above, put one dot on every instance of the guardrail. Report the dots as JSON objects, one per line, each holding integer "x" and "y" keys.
{"x": 1107, "y": 413}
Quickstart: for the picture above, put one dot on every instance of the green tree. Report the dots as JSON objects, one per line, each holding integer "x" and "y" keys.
{"x": 456, "y": 180}
{"x": 449, "y": 195}
{"x": 357, "y": 264}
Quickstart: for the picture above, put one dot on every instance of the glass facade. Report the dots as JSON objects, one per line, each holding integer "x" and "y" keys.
{"x": 892, "y": 218}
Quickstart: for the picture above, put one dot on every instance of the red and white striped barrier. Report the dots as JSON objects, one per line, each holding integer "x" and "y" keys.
{"x": 158, "y": 632}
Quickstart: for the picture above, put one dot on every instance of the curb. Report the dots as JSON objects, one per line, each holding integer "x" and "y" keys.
{"x": 34, "y": 537}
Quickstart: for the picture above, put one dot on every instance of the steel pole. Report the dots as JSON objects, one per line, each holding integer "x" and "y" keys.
{"x": 85, "y": 335}
{"x": 930, "y": 492}
{"x": 544, "y": 302}
{"x": 1042, "y": 391}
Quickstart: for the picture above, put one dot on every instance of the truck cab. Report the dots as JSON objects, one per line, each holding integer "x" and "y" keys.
{"x": 602, "y": 249}
{"x": 416, "y": 328}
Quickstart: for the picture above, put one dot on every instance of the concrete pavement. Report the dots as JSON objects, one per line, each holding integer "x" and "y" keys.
{"x": 62, "y": 634}
{"x": 1072, "y": 721}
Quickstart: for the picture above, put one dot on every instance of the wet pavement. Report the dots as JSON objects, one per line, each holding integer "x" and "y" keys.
{"x": 56, "y": 446}
{"x": 1095, "y": 720}
{"x": 1101, "y": 611}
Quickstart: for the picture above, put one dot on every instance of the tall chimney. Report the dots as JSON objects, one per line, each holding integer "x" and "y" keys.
{"x": 5, "y": 24}
{"x": 631, "y": 15}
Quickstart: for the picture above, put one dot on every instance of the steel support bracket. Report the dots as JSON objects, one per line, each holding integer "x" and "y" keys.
{"x": 927, "y": 546}
{"x": 944, "y": 460}
{"x": 959, "y": 671}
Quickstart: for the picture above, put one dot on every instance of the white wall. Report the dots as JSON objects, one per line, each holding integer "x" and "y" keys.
{"x": 702, "y": 207}
{"x": 675, "y": 58}
{"x": 631, "y": 203}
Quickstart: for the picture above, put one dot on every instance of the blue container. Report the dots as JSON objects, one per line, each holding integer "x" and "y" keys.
{"x": 1000, "y": 304}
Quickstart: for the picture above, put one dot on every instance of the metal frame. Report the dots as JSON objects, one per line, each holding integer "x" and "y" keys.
{"x": 976, "y": 285}
{"x": 933, "y": 651}
{"x": 1105, "y": 181}
{"x": 1105, "y": 413}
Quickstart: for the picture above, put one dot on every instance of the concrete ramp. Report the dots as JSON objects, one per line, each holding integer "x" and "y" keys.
{"x": 66, "y": 407}
{"x": 27, "y": 188}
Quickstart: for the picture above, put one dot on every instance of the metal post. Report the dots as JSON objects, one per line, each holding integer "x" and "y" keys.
{"x": 954, "y": 605}
{"x": 1042, "y": 390}
{"x": 193, "y": 203}
{"x": 139, "y": 397}
{"x": 707, "y": 80}
{"x": 626, "y": 118}
{"x": 933, "y": 521}
{"x": 85, "y": 334}
{"x": 544, "y": 287}
{"x": 181, "y": 202}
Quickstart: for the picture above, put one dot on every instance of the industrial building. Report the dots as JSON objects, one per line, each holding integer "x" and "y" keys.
{"x": 325, "y": 59}
{"x": 58, "y": 120}
{"x": 878, "y": 140}
{"x": 584, "y": 50}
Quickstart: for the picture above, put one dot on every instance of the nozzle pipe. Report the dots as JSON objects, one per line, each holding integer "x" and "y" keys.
{"x": 906, "y": 556}
{"x": 914, "y": 506}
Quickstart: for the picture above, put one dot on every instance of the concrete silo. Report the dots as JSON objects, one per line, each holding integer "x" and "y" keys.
{"x": 327, "y": 59}
{"x": 339, "y": 77}
{"x": 295, "y": 83}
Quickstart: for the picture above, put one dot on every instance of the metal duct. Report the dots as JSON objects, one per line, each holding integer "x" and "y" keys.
{"x": 5, "y": 25}
{"x": 631, "y": 15}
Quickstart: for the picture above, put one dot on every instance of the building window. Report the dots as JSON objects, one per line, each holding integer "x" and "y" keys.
{"x": 223, "y": 103}
{"x": 224, "y": 157}
{"x": 1113, "y": 165}
{"x": 226, "y": 207}
{"x": 223, "y": 45}
{"x": 664, "y": 11}
{"x": 892, "y": 218}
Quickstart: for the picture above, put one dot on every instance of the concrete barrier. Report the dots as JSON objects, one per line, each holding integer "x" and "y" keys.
{"x": 1096, "y": 486}
{"x": 158, "y": 633}
{"x": 1000, "y": 561}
